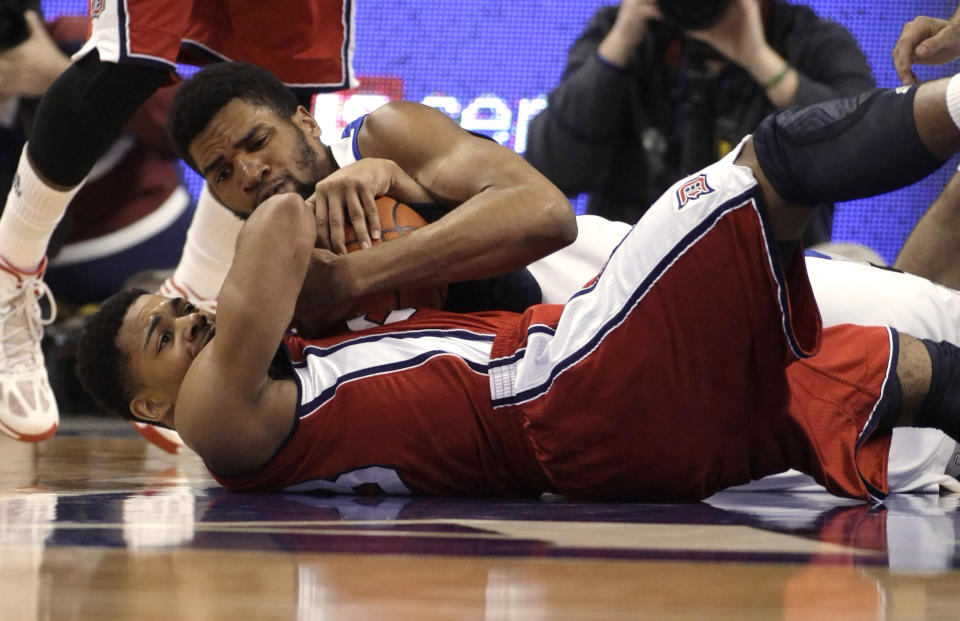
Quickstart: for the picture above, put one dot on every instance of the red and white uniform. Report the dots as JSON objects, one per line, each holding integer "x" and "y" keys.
{"x": 307, "y": 44}
{"x": 679, "y": 371}
{"x": 400, "y": 408}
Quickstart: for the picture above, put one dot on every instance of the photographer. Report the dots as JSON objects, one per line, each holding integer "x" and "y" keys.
{"x": 648, "y": 97}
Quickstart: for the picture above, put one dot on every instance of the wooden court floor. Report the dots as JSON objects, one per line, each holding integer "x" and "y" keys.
{"x": 96, "y": 524}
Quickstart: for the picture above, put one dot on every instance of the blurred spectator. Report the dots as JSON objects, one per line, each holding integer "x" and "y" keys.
{"x": 643, "y": 101}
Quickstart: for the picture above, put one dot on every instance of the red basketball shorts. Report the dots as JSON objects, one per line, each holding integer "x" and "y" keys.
{"x": 306, "y": 44}
{"x": 669, "y": 377}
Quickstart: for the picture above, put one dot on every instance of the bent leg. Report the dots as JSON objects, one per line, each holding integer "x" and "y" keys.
{"x": 859, "y": 293}
{"x": 850, "y": 148}
{"x": 82, "y": 114}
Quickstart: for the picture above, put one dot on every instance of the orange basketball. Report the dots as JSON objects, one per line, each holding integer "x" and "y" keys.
{"x": 396, "y": 219}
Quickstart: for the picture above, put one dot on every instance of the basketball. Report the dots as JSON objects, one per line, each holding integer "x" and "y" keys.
{"x": 396, "y": 219}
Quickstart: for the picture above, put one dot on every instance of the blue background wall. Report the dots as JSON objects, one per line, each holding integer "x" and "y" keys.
{"x": 490, "y": 63}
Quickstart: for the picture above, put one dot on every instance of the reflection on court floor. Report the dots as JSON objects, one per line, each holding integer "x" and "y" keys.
{"x": 96, "y": 524}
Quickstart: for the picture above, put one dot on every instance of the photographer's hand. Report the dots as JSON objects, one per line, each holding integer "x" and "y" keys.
{"x": 28, "y": 69}
{"x": 628, "y": 31}
{"x": 926, "y": 41}
{"x": 739, "y": 36}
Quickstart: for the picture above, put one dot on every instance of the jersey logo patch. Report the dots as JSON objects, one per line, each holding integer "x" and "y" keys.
{"x": 692, "y": 190}
{"x": 96, "y": 8}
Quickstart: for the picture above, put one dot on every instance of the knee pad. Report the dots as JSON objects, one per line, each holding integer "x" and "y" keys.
{"x": 844, "y": 149}
{"x": 83, "y": 113}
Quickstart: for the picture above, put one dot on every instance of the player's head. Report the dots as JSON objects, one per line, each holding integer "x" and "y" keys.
{"x": 243, "y": 130}
{"x": 135, "y": 351}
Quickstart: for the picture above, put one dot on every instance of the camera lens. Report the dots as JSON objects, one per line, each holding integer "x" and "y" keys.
{"x": 692, "y": 14}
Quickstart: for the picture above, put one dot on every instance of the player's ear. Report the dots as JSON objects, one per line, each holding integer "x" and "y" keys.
{"x": 153, "y": 410}
{"x": 305, "y": 121}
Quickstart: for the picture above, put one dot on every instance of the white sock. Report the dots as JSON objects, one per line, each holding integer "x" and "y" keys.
{"x": 30, "y": 215}
{"x": 953, "y": 99}
{"x": 207, "y": 253}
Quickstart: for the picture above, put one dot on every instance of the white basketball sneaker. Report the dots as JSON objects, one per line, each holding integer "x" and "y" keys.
{"x": 28, "y": 409}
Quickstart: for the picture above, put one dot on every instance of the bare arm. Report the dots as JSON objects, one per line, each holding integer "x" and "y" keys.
{"x": 503, "y": 214}
{"x": 228, "y": 409}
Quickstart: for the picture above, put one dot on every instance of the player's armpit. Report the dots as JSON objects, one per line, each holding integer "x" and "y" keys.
{"x": 234, "y": 436}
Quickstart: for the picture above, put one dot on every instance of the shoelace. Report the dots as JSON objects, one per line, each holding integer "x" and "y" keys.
{"x": 27, "y": 316}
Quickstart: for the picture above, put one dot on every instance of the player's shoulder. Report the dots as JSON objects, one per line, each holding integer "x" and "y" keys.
{"x": 401, "y": 115}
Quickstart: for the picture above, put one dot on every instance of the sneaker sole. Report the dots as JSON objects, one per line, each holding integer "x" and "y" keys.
{"x": 155, "y": 438}
{"x": 24, "y": 437}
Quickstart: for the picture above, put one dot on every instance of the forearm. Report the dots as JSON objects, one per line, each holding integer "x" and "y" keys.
{"x": 497, "y": 231}
{"x": 832, "y": 66}
{"x": 840, "y": 70}
{"x": 257, "y": 299}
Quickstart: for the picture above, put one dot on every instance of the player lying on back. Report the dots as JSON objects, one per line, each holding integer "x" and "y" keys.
{"x": 690, "y": 364}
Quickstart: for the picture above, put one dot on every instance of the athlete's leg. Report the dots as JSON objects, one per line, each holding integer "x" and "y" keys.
{"x": 207, "y": 254}
{"x": 817, "y": 154}
{"x": 563, "y": 272}
{"x": 933, "y": 248}
{"x": 859, "y": 293}
{"x": 664, "y": 291}
{"x": 79, "y": 117}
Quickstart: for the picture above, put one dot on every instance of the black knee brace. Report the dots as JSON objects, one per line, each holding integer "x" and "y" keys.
{"x": 941, "y": 406}
{"x": 83, "y": 113}
{"x": 844, "y": 149}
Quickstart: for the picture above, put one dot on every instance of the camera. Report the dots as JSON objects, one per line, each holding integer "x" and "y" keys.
{"x": 692, "y": 14}
{"x": 13, "y": 26}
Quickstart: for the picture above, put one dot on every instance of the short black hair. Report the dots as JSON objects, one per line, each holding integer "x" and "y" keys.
{"x": 201, "y": 97}
{"x": 102, "y": 367}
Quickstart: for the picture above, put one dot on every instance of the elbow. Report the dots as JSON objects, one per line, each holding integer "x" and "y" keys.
{"x": 285, "y": 217}
{"x": 560, "y": 220}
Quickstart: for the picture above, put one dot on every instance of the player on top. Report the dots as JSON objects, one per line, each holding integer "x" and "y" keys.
{"x": 245, "y": 133}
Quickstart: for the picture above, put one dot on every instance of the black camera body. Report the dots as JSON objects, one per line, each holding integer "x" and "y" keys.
{"x": 692, "y": 14}
{"x": 13, "y": 26}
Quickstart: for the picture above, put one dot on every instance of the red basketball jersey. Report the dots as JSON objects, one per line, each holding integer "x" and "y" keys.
{"x": 401, "y": 408}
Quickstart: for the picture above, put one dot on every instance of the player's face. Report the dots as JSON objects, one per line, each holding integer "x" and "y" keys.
{"x": 248, "y": 153}
{"x": 162, "y": 337}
